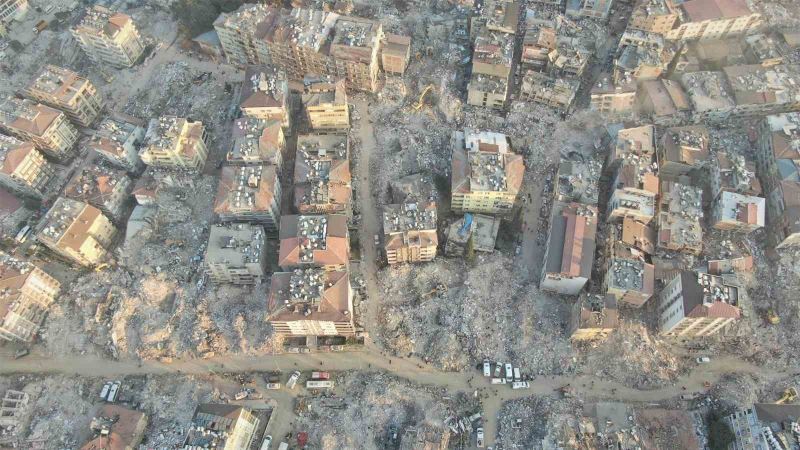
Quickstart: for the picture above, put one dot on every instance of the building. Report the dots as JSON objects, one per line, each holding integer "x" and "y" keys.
{"x": 637, "y": 141}
{"x": 630, "y": 281}
{"x": 24, "y": 169}
{"x": 546, "y": 90}
{"x": 589, "y": 8}
{"x": 500, "y": 16}
{"x": 118, "y": 142}
{"x": 594, "y": 317}
{"x": 109, "y": 37}
{"x": 472, "y": 233}
{"x": 486, "y": 175}
{"x": 175, "y": 143}
{"x": 236, "y": 253}
{"x": 326, "y": 107}
{"x": 77, "y": 231}
{"x": 265, "y": 95}
{"x": 249, "y": 194}
{"x": 778, "y": 161}
{"x": 322, "y": 179}
{"x": 539, "y": 41}
{"x": 765, "y": 49}
{"x": 663, "y": 101}
{"x": 654, "y": 16}
{"x": 12, "y": 10}
{"x": 696, "y": 305}
{"x": 738, "y": 212}
{"x": 116, "y": 428}
{"x": 783, "y": 211}
{"x": 314, "y": 241}
{"x": 611, "y": 98}
{"x": 239, "y": 35}
{"x": 635, "y": 185}
{"x": 425, "y": 437}
{"x": 569, "y": 251}
{"x": 14, "y": 216}
{"x": 709, "y": 94}
{"x": 395, "y": 53}
{"x": 47, "y": 128}
{"x": 761, "y": 91}
{"x": 680, "y": 212}
{"x": 633, "y": 237}
{"x": 492, "y": 65}
{"x": 713, "y": 19}
{"x": 683, "y": 149}
{"x": 102, "y": 186}
{"x": 409, "y": 232}
{"x": 643, "y": 55}
{"x": 256, "y": 142}
{"x": 67, "y": 91}
{"x": 222, "y": 427}
{"x": 26, "y": 293}
{"x": 765, "y": 426}
{"x": 578, "y": 181}
{"x": 311, "y": 302}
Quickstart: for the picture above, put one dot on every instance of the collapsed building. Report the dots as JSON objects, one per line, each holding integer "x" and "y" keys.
{"x": 175, "y": 143}
{"x": 642, "y": 55}
{"x": 67, "y": 91}
{"x": 663, "y": 102}
{"x": 326, "y": 107}
{"x": 569, "y": 251}
{"x": 236, "y": 253}
{"x": 634, "y": 185}
{"x": 550, "y": 91}
{"x": 486, "y": 174}
{"x": 593, "y": 317}
{"x": 492, "y": 66}
{"x": 578, "y": 181}
{"x": 14, "y": 215}
{"x": 249, "y": 194}
{"x": 26, "y": 294}
{"x": 654, "y": 16}
{"x": 47, "y": 128}
{"x": 116, "y": 427}
{"x": 265, "y": 95}
{"x": 13, "y": 408}
{"x": 311, "y": 302}
{"x": 425, "y": 437}
{"x": 77, "y": 231}
{"x": 229, "y": 427}
{"x": 778, "y": 160}
{"x": 610, "y": 98}
{"x": 737, "y": 203}
{"x": 23, "y": 168}
{"x": 630, "y": 280}
{"x": 409, "y": 232}
{"x": 108, "y": 37}
{"x": 118, "y": 142}
{"x": 322, "y": 178}
{"x": 314, "y": 241}
{"x": 598, "y": 9}
{"x": 697, "y": 304}
{"x": 102, "y": 186}
{"x": 472, "y": 233}
{"x": 759, "y": 90}
{"x": 256, "y": 141}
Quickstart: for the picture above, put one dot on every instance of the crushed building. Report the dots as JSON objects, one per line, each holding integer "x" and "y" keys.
{"x": 108, "y": 37}
{"x": 175, "y": 143}
{"x": 593, "y": 317}
{"x": 67, "y": 91}
{"x": 229, "y": 427}
{"x": 26, "y": 294}
{"x": 654, "y": 16}
{"x": 236, "y": 254}
{"x": 249, "y": 194}
{"x": 546, "y": 90}
{"x": 473, "y": 232}
{"x": 759, "y": 90}
{"x": 409, "y": 232}
{"x": 322, "y": 178}
{"x": 118, "y": 142}
{"x": 97, "y": 183}
{"x": 664, "y": 102}
{"x": 47, "y": 128}
{"x": 569, "y": 251}
{"x": 598, "y": 9}
{"x": 116, "y": 427}
{"x": 492, "y": 65}
{"x": 697, "y": 304}
{"x": 682, "y": 149}
{"x": 314, "y": 241}
{"x": 77, "y": 231}
{"x": 425, "y": 437}
{"x": 24, "y": 169}
{"x": 578, "y": 181}
{"x": 256, "y": 142}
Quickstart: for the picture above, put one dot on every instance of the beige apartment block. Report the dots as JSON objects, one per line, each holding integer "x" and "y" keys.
{"x": 546, "y": 90}
{"x": 108, "y": 37}
{"x": 396, "y": 53}
{"x": 26, "y": 293}
{"x": 47, "y": 128}
{"x": 23, "y": 168}
{"x": 257, "y": 142}
{"x": 77, "y": 231}
{"x": 570, "y": 247}
{"x": 492, "y": 61}
{"x": 12, "y": 10}
{"x": 118, "y": 143}
{"x": 265, "y": 95}
{"x": 630, "y": 281}
{"x": 654, "y": 16}
{"x": 249, "y": 194}
{"x": 594, "y": 317}
{"x": 241, "y": 33}
{"x": 713, "y": 19}
{"x": 224, "y": 427}
{"x": 67, "y": 91}
{"x": 486, "y": 173}
{"x": 611, "y": 98}
{"x": 311, "y": 302}
{"x": 236, "y": 253}
{"x": 322, "y": 178}
{"x": 664, "y": 102}
{"x": 632, "y": 143}
{"x": 409, "y": 232}
{"x": 314, "y": 241}
{"x": 634, "y": 188}
{"x": 99, "y": 184}
{"x": 326, "y": 106}
{"x": 697, "y": 305}
{"x": 175, "y": 143}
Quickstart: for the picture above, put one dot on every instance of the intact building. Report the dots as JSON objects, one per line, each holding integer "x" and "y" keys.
{"x": 311, "y": 302}
{"x": 589, "y": 8}
{"x": 249, "y": 194}
{"x": 118, "y": 143}
{"x": 326, "y": 107}
{"x": 26, "y": 293}
{"x": 257, "y": 141}
{"x": 102, "y": 186}
{"x": 765, "y": 426}
{"x": 66, "y": 90}
{"x": 175, "y": 143}
{"x": 109, "y": 37}
{"x": 23, "y": 168}
{"x": 630, "y": 281}
{"x": 778, "y": 158}
{"x": 409, "y": 232}
{"x": 314, "y": 241}
{"x": 682, "y": 149}
{"x": 634, "y": 187}
{"x": 663, "y": 101}
{"x": 222, "y": 427}
{"x": 486, "y": 175}
{"x": 395, "y": 53}
{"x": 322, "y": 179}
{"x": 569, "y": 252}
{"x": 680, "y": 212}
{"x": 713, "y": 19}
{"x": 655, "y": 16}
{"x": 608, "y": 97}
{"x": 12, "y": 10}
{"x": 696, "y": 305}
{"x": 77, "y": 231}
{"x": 236, "y": 253}
{"x": 594, "y": 317}
{"x": 265, "y": 95}
{"x": 46, "y": 127}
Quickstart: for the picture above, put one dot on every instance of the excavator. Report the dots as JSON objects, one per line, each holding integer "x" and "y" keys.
{"x": 789, "y": 395}
{"x": 421, "y": 101}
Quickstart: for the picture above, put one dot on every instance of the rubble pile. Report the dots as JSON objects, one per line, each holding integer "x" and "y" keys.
{"x": 525, "y": 422}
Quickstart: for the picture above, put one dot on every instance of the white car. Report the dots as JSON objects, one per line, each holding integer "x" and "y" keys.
{"x": 266, "y": 443}
{"x": 293, "y": 380}
{"x": 487, "y": 368}
{"x": 509, "y": 371}
{"x": 479, "y": 442}
{"x": 520, "y": 385}
{"x": 703, "y": 360}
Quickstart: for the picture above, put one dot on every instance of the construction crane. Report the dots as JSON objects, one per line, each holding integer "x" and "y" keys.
{"x": 421, "y": 101}
{"x": 789, "y": 395}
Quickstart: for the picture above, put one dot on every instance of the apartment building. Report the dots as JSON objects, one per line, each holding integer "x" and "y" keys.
{"x": 265, "y": 95}
{"x": 629, "y": 280}
{"x": 99, "y": 184}
{"x": 249, "y": 194}
{"x": 314, "y": 241}
{"x": 239, "y": 34}
{"x": 593, "y": 318}
{"x": 683, "y": 149}
{"x": 654, "y": 16}
{"x": 311, "y": 302}
{"x": 175, "y": 143}
{"x": 578, "y": 181}
{"x": 761, "y": 91}
{"x": 539, "y": 41}
{"x": 634, "y": 188}
{"x": 223, "y": 427}
{"x": 500, "y": 16}
{"x": 67, "y": 91}
{"x": 118, "y": 143}
{"x": 23, "y": 168}
{"x": 47, "y": 128}
{"x": 395, "y": 53}
{"x": 713, "y": 19}
{"x": 664, "y": 102}
{"x": 322, "y": 179}
{"x": 325, "y": 105}
{"x": 589, "y": 8}
{"x": 610, "y": 98}
{"x": 12, "y": 10}
{"x": 642, "y": 55}
{"x": 486, "y": 174}
{"x": 697, "y": 304}
{"x": 109, "y": 37}
{"x": 116, "y": 427}
{"x": 492, "y": 65}
{"x": 569, "y": 251}
{"x": 679, "y": 216}
{"x": 236, "y": 253}
{"x": 709, "y": 94}
{"x": 547, "y": 90}
{"x": 637, "y": 141}
{"x": 77, "y": 231}
{"x": 409, "y": 232}
{"x": 26, "y": 293}
{"x": 765, "y": 426}
{"x": 738, "y": 212}
{"x": 257, "y": 142}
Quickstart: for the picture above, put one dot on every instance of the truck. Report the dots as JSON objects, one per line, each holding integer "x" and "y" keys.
{"x": 319, "y": 384}
{"x": 479, "y": 441}
{"x": 40, "y": 25}
{"x": 293, "y": 379}
{"x": 509, "y": 371}
{"x": 320, "y": 376}
{"x": 487, "y": 368}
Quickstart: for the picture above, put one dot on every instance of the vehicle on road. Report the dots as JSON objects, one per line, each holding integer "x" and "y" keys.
{"x": 293, "y": 379}
{"x": 305, "y": 350}
{"x": 480, "y": 438}
{"x": 266, "y": 442}
{"x": 520, "y": 385}
{"x": 283, "y": 446}
{"x": 21, "y": 353}
{"x": 487, "y": 368}
{"x": 691, "y": 396}
{"x": 703, "y": 360}
{"x": 377, "y": 241}
{"x": 293, "y": 350}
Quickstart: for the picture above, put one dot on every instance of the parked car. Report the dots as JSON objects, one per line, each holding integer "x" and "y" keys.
{"x": 703, "y": 360}
{"x": 273, "y": 386}
{"x": 265, "y": 444}
{"x": 293, "y": 379}
{"x": 520, "y": 385}
{"x": 480, "y": 439}
{"x": 487, "y": 368}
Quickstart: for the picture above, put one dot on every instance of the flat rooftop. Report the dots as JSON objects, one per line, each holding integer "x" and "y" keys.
{"x": 494, "y": 48}
{"x": 488, "y": 83}
{"x": 246, "y": 189}
{"x": 755, "y": 84}
{"x": 631, "y": 275}
{"x": 708, "y": 91}
{"x": 170, "y": 132}
{"x": 264, "y": 87}
{"x": 746, "y": 209}
{"x": 411, "y": 216}
{"x": 102, "y": 21}
{"x": 484, "y": 161}
{"x": 310, "y": 294}
{"x": 27, "y": 116}
{"x": 110, "y": 135}
{"x": 236, "y": 244}
{"x": 58, "y": 82}
{"x": 688, "y": 145}
{"x": 578, "y": 180}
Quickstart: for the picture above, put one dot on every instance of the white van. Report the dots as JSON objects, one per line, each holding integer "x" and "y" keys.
{"x": 487, "y": 368}
{"x": 517, "y": 376}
